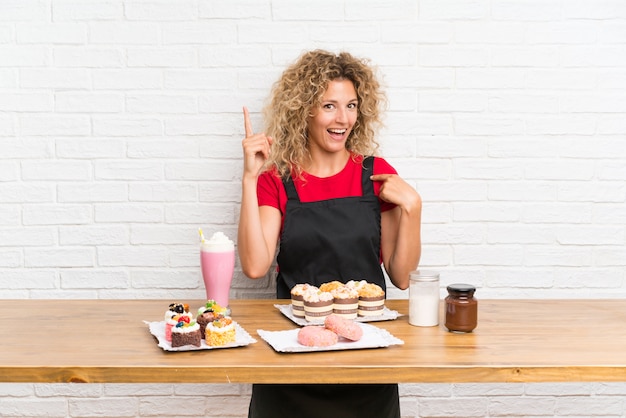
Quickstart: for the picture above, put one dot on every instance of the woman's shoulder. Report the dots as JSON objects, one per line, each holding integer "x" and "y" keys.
{"x": 270, "y": 174}
{"x": 269, "y": 187}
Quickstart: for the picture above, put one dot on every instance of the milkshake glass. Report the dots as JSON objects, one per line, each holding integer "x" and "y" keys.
{"x": 217, "y": 259}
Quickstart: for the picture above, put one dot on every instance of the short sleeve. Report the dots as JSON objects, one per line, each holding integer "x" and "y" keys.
{"x": 266, "y": 191}
{"x": 270, "y": 191}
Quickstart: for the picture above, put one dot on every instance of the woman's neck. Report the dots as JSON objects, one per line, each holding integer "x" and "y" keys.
{"x": 327, "y": 164}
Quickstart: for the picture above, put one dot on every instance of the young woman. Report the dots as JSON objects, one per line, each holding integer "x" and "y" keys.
{"x": 312, "y": 186}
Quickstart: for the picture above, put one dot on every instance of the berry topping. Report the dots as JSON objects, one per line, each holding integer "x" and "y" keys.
{"x": 177, "y": 307}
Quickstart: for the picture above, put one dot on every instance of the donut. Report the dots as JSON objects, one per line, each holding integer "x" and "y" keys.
{"x": 316, "y": 336}
{"x": 343, "y": 327}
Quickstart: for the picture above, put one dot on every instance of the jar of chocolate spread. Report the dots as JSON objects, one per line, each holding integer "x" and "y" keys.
{"x": 461, "y": 308}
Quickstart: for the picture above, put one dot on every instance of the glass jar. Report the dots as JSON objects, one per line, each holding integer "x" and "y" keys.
{"x": 461, "y": 308}
{"x": 424, "y": 298}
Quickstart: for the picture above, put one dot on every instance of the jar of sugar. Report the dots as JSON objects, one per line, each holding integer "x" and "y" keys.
{"x": 424, "y": 298}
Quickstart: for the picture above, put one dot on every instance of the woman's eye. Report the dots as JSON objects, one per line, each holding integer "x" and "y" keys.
{"x": 352, "y": 106}
{"x": 328, "y": 106}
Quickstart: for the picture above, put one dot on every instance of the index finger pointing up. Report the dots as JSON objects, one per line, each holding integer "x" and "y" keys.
{"x": 246, "y": 122}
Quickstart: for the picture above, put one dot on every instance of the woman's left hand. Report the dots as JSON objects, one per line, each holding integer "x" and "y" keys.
{"x": 394, "y": 189}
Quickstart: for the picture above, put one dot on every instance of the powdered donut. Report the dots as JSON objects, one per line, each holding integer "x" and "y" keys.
{"x": 314, "y": 336}
{"x": 343, "y": 327}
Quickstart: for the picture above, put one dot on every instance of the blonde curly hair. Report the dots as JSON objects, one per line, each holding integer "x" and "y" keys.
{"x": 299, "y": 91}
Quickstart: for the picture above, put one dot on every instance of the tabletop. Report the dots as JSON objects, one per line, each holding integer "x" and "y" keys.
{"x": 100, "y": 341}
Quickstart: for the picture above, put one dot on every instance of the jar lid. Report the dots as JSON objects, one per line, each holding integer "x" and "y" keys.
{"x": 424, "y": 275}
{"x": 461, "y": 287}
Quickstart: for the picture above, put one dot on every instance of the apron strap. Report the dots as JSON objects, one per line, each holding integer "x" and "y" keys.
{"x": 290, "y": 188}
{"x": 368, "y": 170}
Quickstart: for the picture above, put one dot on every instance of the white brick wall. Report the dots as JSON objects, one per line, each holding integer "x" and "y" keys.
{"x": 120, "y": 129}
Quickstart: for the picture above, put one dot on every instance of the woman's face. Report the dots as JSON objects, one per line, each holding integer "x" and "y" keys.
{"x": 331, "y": 123}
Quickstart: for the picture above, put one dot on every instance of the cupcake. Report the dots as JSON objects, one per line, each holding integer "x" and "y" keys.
{"x": 345, "y": 302}
{"x": 186, "y": 333}
{"x": 297, "y": 299}
{"x": 371, "y": 300}
{"x": 317, "y": 305}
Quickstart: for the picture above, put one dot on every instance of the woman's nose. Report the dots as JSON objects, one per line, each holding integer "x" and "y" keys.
{"x": 341, "y": 115}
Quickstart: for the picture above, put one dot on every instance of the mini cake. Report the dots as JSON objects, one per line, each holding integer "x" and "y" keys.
{"x": 317, "y": 306}
{"x": 316, "y": 336}
{"x": 345, "y": 302}
{"x": 297, "y": 299}
{"x": 220, "y": 332}
{"x": 186, "y": 333}
{"x": 207, "y": 314}
{"x": 371, "y": 300}
{"x": 174, "y": 313}
{"x": 343, "y": 327}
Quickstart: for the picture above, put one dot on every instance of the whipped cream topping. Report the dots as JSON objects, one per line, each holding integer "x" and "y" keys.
{"x": 221, "y": 326}
{"x": 356, "y": 284}
{"x": 301, "y": 289}
{"x": 317, "y": 296}
{"x": 345, "y": 292}
{"x": 187, "y": 328}
{"x": 218, "y": 242}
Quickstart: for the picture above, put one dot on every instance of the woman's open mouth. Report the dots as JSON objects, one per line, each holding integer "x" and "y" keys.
{"x": 337, "y": 134}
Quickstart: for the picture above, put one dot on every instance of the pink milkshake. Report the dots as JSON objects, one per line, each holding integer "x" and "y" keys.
{"x": 217, "y": 259}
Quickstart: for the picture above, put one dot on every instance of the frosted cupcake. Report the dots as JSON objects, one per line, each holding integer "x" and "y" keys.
{"x": 297, "y": 299}
{"x": 345, "y": 302}
{"x": 317, "y": 306}
{"x": 371, "y": 300}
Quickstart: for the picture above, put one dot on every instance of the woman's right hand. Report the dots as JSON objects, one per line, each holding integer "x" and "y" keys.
{"x": 256, "y": 148}
{"x": 259, "y": 227}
